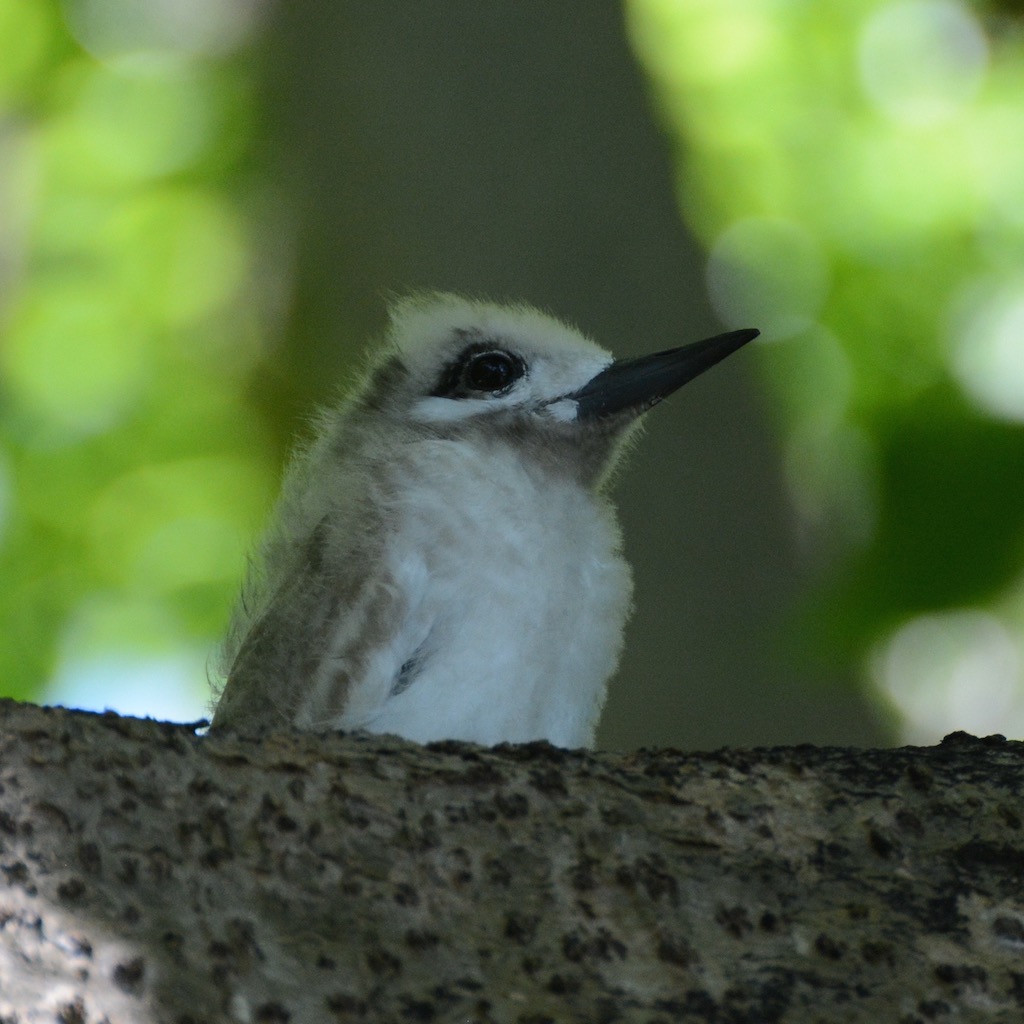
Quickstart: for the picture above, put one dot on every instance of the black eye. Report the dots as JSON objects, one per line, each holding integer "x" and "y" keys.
{"x": 481, "y": 368}
{"x": 491, "y": 371}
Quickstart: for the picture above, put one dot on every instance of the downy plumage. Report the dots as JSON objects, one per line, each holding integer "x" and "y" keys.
{"x": 444, "y": 562}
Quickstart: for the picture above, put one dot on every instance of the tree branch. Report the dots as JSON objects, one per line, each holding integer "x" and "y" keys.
{"x": 157, "y": 876}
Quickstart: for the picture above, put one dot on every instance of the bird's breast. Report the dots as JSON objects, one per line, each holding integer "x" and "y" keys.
{"x": 520, "y": 592}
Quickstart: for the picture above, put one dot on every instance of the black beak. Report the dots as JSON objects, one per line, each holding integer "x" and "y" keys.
{"x": 637, "y": 384}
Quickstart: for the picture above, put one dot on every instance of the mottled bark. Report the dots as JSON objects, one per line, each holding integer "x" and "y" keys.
{"x": 155, "y": 876}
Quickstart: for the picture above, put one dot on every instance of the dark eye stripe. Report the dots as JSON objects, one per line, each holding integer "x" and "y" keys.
{"x": 482, "y": 368}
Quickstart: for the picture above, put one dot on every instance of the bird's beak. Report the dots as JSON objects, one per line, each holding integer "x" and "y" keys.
{"x": 635, "y": 385}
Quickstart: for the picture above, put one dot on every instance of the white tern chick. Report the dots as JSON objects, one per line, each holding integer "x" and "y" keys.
{"x": 444, "y": 563}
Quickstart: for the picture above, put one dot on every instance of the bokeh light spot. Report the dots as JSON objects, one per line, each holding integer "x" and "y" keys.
{"x": 955, "y": 670}
{"x": 73, "y": 358}
{"x": 191, "y": 550}
{"x": 179, "y": 252}
{"x": 987, "y": 354}
{"x": 168, "y": 688}
{"x": 122, "y": 127}
{"x": 922, "y": 60}
{"x": 170, "y": 525}
{"x": 124, "y": 652}
{"x": 769, "y": 272}
{"x": 115, "y": 28}
{"x": 708, "y": 43}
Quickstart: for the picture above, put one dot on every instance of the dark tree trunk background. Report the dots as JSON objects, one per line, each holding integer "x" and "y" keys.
{"x": 155, "y": 876}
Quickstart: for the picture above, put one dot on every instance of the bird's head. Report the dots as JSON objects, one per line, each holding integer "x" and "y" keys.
{"x": 463, "y": 368}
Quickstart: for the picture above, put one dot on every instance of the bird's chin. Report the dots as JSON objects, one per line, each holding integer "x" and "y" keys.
{"x": 562, "y": 410}
{"x": 567, "y": 410}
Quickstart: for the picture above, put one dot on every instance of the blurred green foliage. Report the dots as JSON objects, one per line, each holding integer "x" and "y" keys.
{"x": 132, "y": 468}
{"x": 856, "y": 170}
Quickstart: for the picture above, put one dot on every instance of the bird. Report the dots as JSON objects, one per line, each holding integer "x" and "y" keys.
{"x": 445, "y": 561}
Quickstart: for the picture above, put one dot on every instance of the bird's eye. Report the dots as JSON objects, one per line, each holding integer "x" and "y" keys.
{"x": 492, "y": 371}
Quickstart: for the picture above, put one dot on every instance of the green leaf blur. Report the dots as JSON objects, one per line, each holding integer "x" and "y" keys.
{"x": 133, "y": 469}
{"x": 856, "y": 171}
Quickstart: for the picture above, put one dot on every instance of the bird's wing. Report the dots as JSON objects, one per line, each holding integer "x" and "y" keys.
{"x": 331, "y": 630}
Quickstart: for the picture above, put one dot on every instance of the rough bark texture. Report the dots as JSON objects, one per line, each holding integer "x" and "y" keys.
{"x": 152, "y": 875}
